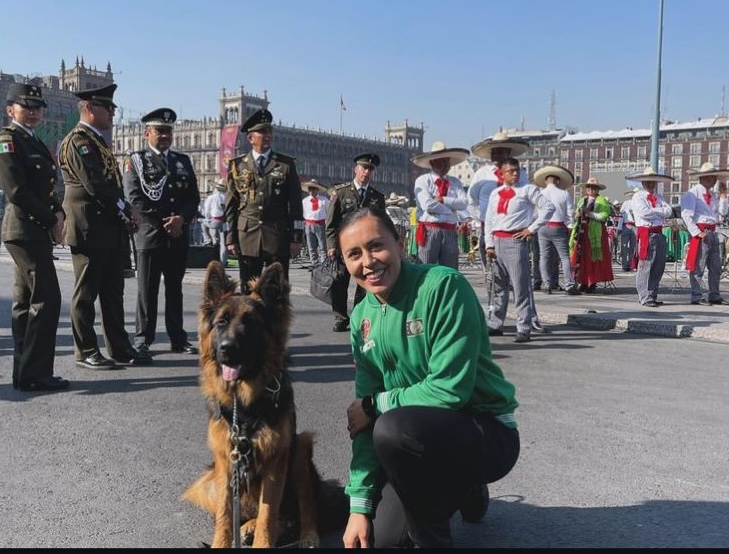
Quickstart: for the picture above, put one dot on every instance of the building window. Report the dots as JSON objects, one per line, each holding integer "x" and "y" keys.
{"x": 130, "y": 144}
{"x": 714, "y": 147}
{"x": 565, "y": 155}
{"x": 625, "y": 152}
{"x": 676, "y": 187}
{"x": 677, "y": 149}
{"x": 210, "y": 161}
{"x": 608, "y": 153}
{"x": 661, "y": 149}
{"x": 642, "y": 152}
{"x": 696, "y": 148}
{"x": 551, "y": 151}
{"x": 536, "y": 151}
{"x": 714, "y": 158}
{"x": 196, "y": 140}
{"x": 677, "y": 162}
{"x": 593, "y": 153}
{"x": 578, "y": 155}
{"x": 695, "y": 161}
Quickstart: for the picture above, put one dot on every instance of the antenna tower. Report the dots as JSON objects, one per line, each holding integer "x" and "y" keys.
{"x": 552, "y": 120}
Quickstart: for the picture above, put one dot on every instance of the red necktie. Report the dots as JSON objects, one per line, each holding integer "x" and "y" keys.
{"x": 499, "y": 176}
{"x": 505, "y": 196}
{"x": 443, "y": 185}
{"x": 707, "y": 198}
{"x": 314, "y": 203}
{"x": 652, "y": 199}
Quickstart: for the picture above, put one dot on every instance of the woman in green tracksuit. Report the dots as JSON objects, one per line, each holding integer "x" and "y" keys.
{"x": 433, "y": 420}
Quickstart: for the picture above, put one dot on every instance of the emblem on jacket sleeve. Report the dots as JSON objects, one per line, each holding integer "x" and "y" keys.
{"x": 414, "y": 327}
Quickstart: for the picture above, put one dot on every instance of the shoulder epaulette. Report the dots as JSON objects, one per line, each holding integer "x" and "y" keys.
{"x": 282, "y": 157}
{"x": 341, "y": 186}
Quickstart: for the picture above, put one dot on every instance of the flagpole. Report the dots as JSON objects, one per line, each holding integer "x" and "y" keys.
{"x": 655, "y": 134}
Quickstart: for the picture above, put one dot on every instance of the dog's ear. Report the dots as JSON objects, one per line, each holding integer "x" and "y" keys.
{"x": 217, "y": 283}
{"x": 272, "y": 286}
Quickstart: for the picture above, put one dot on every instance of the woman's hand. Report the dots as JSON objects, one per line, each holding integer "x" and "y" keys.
{"x": 357, "y": 533}
{"x": 356, "y": 418}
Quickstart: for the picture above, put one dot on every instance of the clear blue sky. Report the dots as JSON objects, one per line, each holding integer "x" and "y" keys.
{"x": 462, "y": 67}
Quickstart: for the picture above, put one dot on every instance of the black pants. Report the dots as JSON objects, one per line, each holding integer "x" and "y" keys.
{"x": 340, "y": 292}
{"x": 432, "y": 458}
{"x": 152, "y": 264}
{"x": 250, "y": 267}
{"x": 36, "y": 310}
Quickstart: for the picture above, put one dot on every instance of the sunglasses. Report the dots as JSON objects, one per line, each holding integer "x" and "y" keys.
{"x": 108, "y": 107}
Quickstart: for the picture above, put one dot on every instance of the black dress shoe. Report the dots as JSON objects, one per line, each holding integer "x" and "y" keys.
{"x": 651, "y": 304}
{"x": 144, "y": 348}
{"x": 135, "y": 357}
{"x": 496, "y": 332}
{"x": 573, "y": 291}
{"x": 97, "y": 361}
{"x": 718, "y": 302}
{"x": 522, "y": 337}
{"x": 184, "y": 347}
{"x": 474, "y": 508}
{"x": 51, "y": 384}
{"x": 700, "y": 302}
{"x": 537, "y": 328}
{"x": 341, "y": 325}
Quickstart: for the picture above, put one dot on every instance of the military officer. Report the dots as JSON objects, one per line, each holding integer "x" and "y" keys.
{"x": 263, "y": 203}
{"x": 348, "y": 197}
{"x": 32, "y": 224}
{"x": 161, "y": 185}
{"x": 98, "y": 222}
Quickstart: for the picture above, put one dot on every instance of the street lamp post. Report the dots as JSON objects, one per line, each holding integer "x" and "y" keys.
{"x": 657, "y": 115}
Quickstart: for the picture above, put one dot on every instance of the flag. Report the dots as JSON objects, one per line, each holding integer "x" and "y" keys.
{"x": 341, "y": 104}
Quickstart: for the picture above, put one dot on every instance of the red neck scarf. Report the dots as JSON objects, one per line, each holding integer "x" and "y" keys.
{"x": 505, "y": 196}
{"x": 653, "y": 199}
{"x": 314, "y": 203}
{"x": 499, "y": 176}
{"x": 442, "y": 185}
{"x": 707, "y": 198}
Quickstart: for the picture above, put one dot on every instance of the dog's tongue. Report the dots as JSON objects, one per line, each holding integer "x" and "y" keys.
{"x": 230, "y": 373}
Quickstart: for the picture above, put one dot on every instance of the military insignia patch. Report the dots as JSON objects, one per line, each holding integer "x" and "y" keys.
{"x": 414, "y": 327}
{"x": 83, "y": 150}
{"x": 7, "y": 148}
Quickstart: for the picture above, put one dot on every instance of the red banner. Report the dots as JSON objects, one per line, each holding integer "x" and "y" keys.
{"x": 228, "y": 140}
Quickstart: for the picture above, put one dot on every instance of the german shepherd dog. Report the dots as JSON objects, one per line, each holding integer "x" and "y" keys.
{"x": 250, "y": 398}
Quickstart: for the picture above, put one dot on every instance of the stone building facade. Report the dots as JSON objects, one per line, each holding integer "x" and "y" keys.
{"x": 324, "y": 156}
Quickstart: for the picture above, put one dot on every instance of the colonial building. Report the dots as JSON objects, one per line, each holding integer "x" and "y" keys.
{"x": 324, "y": 156}
{"x": 61, "y": 115}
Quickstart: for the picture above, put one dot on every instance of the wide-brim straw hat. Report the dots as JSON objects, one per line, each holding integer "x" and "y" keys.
{"x": 499, "y": 140}
{"x": 649, "y": 175}
{"x": 593, "y": 182}
{"x": 439, "y": 150}
{"x": 313, "y": 183}
{"x": 221, "y": 186}
{"x": 708, "y": 169}
{"x": 395, "y": 199}
{"x": 565, "y": 176}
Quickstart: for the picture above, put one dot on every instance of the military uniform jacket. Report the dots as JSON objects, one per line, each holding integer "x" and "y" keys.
{"x": 93, "y": 199}
{"x": 346, "y": 199}
{"x": 264, "y": 212}
{"x": 28, "y": 177}
{"x": 158, "y": 191}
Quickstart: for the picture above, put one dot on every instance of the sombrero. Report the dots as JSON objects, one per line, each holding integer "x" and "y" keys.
{"x": 394, "y": 199}
{"x": 593, "y": 182}
{"x": 221, "y": 186}
{"x": 709, "y": 170}
{"x": 566, "y": 179}
{"x": 649, "y": 175}
{"x": 499, "y": 140}
{"x": 313, "y": 183}
{"x": 439, "y": 150}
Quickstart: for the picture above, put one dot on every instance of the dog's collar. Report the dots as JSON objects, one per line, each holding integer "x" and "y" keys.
{"x": 265, "y": 409}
